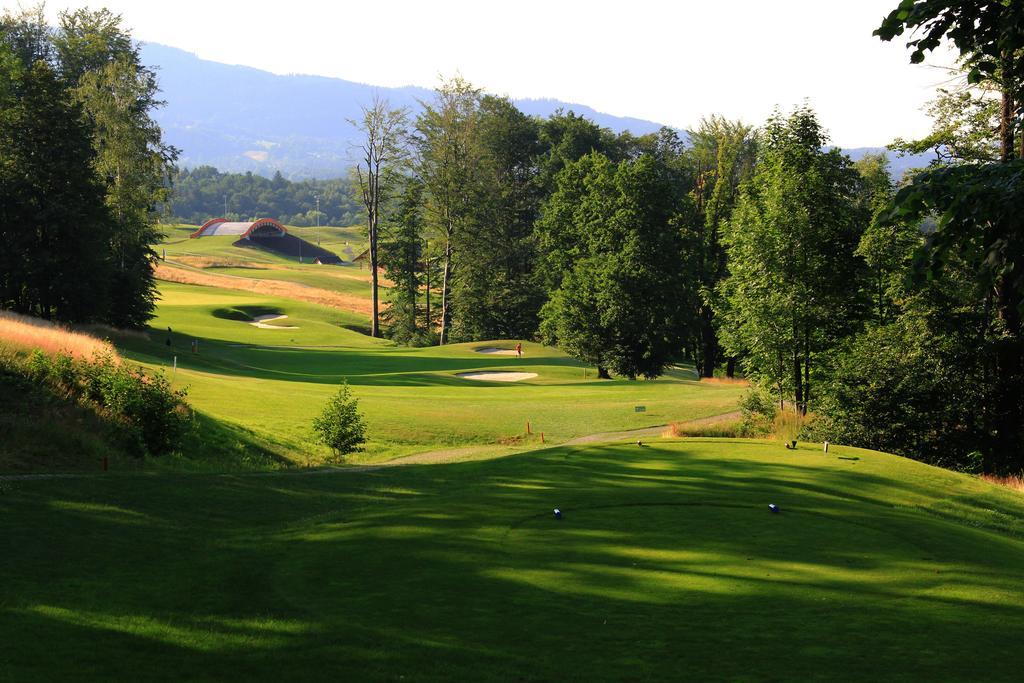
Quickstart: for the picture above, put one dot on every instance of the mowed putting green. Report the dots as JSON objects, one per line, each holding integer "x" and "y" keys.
{"x": 667, "y": 565}
{"x": 273, "y": 382}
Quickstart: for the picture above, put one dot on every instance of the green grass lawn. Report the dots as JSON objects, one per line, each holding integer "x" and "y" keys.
{"x": 273, "y": 382}
{"x": 667, "y": 565}
{"x": 332, "y": 278}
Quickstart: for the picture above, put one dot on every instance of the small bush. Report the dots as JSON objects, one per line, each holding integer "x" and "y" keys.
{"x": 759, "y": 411}
{"x": 340, "y": 426}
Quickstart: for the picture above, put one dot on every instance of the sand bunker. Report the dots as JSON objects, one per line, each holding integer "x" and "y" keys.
{"x": 261, "y": 320}
{"x": 495, "y": 350}
{"x": 497, "y": 376}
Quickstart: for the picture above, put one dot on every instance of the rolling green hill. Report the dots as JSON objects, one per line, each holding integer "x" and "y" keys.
{"x": 274, "y": 381}
{"x": 666, "y": 565}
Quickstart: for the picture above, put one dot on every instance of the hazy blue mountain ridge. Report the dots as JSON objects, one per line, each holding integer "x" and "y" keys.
{"x": 238, "y": 118}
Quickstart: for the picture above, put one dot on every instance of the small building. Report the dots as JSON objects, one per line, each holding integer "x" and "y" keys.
{"x": 327, "y": 260}
{"x": 264, "y": 227}
{"x": 363, "y": 259}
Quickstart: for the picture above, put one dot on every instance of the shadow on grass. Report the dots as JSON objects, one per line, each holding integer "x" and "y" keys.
{"x": 385, "y": 366}
{"x": 245, "y": 313}
{"x": 461, "y": 572}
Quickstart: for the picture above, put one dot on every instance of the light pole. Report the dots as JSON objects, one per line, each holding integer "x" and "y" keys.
{"x": 225, "y": 207}
{"x": 318, "y": 220}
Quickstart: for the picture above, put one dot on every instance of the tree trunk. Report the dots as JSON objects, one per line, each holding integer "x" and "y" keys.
{"x": 445, "y": 283}
{"x": 375, "y": 318}
{"x": 426, "y": 270}
{"x": 807, "y": 372}
{"x": 730, "y": 367}
{"x": 798, "y": 383}
{"x": 709, "y": 344}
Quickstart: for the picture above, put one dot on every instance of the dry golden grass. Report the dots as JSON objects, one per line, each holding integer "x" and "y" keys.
{"x": 731, "y": 381}
{"x": 28, "y": 333}
{"x": 286, "y": 290}
{"x": 787, "y": 425}
{"x": 205, "y": 262}
{"x": 724, "y": 426}
{"x": 724, "y": 430}
{"x": 1011, "y": 482}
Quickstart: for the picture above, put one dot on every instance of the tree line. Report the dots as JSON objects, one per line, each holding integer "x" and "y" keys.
{"x": 203, "y": 193}
{"x": 83, "y": 169}
{"x": 891, "y": 311}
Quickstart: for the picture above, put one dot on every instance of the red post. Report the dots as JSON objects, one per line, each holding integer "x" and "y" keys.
{"x": 104, "y": 463}
{"x": 542, "y": 437}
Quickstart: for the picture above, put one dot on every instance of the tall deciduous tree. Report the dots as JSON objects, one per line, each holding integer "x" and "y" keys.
{"x": 791, "y": 291}
{"x": 54, "y": 227}
{"x": 885, "y": 248}
{"x": 722, "y": 157}
{"x": 978, "y": 206}
{"x": 135, "y": 164}
{"x": 449, "y": 167}
{"x": 496, "y": 294}
{"x": 403, "y": 257}
{"x": 98, "y": 61}
{"x": 384, "y": 158}
{"x": 620, "y": 299}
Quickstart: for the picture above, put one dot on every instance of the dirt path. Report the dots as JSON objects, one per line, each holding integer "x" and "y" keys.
{"x": 440, "y": 456}
{"x": 466, "y": 453}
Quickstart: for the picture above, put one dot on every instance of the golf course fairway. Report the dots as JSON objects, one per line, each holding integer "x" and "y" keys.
{"x": 667, "y": 565}
{"x": 271, "y": 383}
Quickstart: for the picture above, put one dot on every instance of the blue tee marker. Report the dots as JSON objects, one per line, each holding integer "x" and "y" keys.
{"x": 773, "y": 507}
{"x": 558, "y": 513}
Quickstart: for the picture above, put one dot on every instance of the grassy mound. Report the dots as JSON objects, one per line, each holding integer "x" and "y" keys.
{"x": 667, "y": 565}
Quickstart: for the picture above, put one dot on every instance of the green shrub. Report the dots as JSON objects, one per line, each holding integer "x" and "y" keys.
{"x": 759, "y": 412}
{"x": 340, "y": 426}
{"x": 154, "y": 414}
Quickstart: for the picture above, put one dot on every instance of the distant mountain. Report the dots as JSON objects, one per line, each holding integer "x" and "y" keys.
{"x": 242, "y": 119}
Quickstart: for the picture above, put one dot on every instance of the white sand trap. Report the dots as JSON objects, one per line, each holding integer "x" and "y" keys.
{"x": 495, "y": 350}
{"x": 497, "y": 376}
{"x": 261, "y": 321}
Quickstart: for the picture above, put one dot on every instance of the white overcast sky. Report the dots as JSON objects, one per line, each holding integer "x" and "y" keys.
{"x": 670, "y": 62}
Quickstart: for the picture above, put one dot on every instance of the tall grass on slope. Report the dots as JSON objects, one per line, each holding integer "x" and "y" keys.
{"x": 1011, "y": 482}
{"x": 722, "y": 429}
{"x": 22, "y": 332}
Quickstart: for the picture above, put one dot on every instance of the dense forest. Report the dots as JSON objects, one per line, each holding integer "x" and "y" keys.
{"x": 203, "y": 193}
{"x": 882, "y": 312}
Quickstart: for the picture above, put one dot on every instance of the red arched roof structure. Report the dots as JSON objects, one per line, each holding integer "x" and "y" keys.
{"x": 244, "y": 229}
